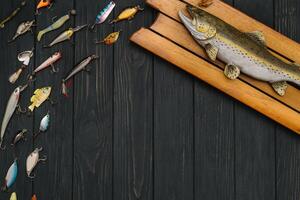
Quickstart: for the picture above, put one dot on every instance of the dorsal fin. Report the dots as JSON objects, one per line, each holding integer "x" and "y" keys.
{"x": 258, "y": 36}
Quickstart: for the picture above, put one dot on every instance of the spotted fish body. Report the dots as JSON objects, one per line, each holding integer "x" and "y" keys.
{"x": 242, "y": 52}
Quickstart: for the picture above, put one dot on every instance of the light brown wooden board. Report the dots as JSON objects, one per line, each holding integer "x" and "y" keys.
{"x": 176, "y": 32}
{"x": 205, "y": 71}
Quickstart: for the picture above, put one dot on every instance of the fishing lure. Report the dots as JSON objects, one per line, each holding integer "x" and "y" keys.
{"x": 47, "y": 63}
{"x": 66, "y": 35}
{"x": 23, "y": 28}
{"x": 44, "y": 125}
{"x": 39, "y": 97}
{"x": 103, "y": 14}
{"x": 111, "y": 38}
{"x": 13, "y": 196}
{"x": 205, "y": 3}
{"x": 11, "y": 176}
{"x": 56, "y": 25}
{"x": 23, "y": 57}
{"x": 32, "y": 160}
{"x": 34, "y": 197}
{"x": 12, "y": 15}
{"x": 43, "y": 4}
{"x": 20, "y": 135}
{"x": 78, "y": 68}
{"x": 128, "y": 13}
{"x": 12, "y": 104}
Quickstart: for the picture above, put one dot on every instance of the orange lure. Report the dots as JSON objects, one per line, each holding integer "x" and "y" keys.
{"x": 44, "y": 3}
{"x": 34, "y": 197}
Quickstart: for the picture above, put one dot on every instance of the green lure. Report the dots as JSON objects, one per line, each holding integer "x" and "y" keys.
{"x": 14, "y": 13}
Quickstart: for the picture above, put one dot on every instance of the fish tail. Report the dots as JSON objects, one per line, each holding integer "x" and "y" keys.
{"x": 31, "y": 107}
{"x": 40, "y": 35}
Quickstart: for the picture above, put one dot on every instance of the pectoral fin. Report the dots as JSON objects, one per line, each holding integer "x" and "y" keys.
{"x": 280, "y": 87}
{"x": 231, "y": 71}
{"x": 258, "y": 36}
{"x": 211, "y": 51}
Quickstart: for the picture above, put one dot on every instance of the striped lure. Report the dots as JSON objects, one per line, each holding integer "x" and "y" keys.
{"x": 103, "y": 14}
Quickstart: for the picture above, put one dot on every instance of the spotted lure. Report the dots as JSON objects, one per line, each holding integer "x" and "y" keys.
{"x": 12, "y": 15}
{"x": 78, "y": 68}
{"x": 110, "y": 39}
{"x": 56, "y": 25}
{"x": 11, "y": 176}
{"x": 103, "y": 14}
{"x": 32, "y": 160}
{"x": 242, "y": 52}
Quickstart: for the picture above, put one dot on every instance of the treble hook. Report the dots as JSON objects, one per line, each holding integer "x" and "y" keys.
{"x": 43, "y": 159}
{"x": 31, "y": 176}
{"x": 54, "y": 70}
{"x": 21, "y": 111}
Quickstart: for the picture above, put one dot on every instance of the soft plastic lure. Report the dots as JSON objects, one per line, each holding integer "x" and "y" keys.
{"x": 23, "y": 28}
{"x": 56, "y": 25}
{"x": 32, "y": 160}
{"x": 43, "y": 4}
{"x": 66, "y": 35}
{"x": 111, "y": 38}
{"x": 128, "y": 13}
{"x": 12, "y": 15}
{"x": 103, "y": 14}
{"x": 11, "y": 176}
{"x": 44, "y": 124}
{"x": 78, "y": 68}
{"x": 20, "y": 135}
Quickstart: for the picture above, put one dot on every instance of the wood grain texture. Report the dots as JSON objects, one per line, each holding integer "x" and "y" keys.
{"x": 203, "y": 70}
{"x": 93, "y": 109}
{"x": 167, "y": 27}
{"x": 133, "y": 112}
{"x": 57, "y": 142}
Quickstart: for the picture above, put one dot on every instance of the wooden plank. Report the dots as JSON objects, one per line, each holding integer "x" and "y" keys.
{"x": 9, "y": 64}
{"x": 203, "y": 70}
{"x": 167, "y": 27}
{"x": 57, "y": 142}
{"x": 133, "y": 113}
{"x": 93, "y": 110}
{"x": 173, "y": 132}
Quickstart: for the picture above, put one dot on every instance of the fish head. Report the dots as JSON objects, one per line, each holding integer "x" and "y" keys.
{"x": 200, "y": 26}
{"x": 45, "y": 91}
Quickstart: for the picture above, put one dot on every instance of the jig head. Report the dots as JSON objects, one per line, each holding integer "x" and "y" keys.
{"x": 12, "y": 15}
{"x": 20, "y": 135}
{"x": 23, "y": 28}
{"x": 11, "y": 176}
{"x": 128, "y": 13}
{"x": 44, "y": 124}
{"x": 103, "y": 14}
{"x": 110, "y": 39}
{"x": 32, "y": 160}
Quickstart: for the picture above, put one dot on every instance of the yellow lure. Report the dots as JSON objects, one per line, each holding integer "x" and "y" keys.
{"x": 128, "y": 13}
{"x": 39, "y": 96}
{"x": 13, "y": 196}
{"x": 111, "y": 38}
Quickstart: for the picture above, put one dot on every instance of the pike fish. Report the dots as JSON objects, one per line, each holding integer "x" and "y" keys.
{"x": 241, "y": 52}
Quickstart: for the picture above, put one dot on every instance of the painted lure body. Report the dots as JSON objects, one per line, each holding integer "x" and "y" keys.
{"x": 56, "y": 25}
{"x": 39, "y": 97}
{"x": 78, "y": 68}
{"x": 23, "y": 28}
{"x": 43, "y": 4}
{"x": 12, "y": 15}
{"x": 20, "y": 135}
{"x": 11, "y": 176}
{"x": 32, "y": 160}
{"x": 13, "y": 196}
{"x": 66, "y": 35}
{"x": 128, "y": 13}
{"x": 242, "y": 52}
{"x": 103, "y": 14}
{"x": 44, "y": 124}
{"x": 110, "y": 39}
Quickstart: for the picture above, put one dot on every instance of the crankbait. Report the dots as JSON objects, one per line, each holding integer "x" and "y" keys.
{"x": 56, "y": 25}
{"x": 128, "y": 13}
{"x": 13, "y": 14}
{"x": 111, "y": 38}
{"x": 11, "y": 176}
{"x": 66, "y": 35}
{"x": 10, "y": 109}
{"x": 103, "y": 14}
{"x": 23, "y": 28}
{"x": 13, "y": 196}
{"x": 44, "y": 125}
{"x": 78, "y": 68}
{"x": 39, "y": 97}
{"x": 23, "y": 57}
{"x": 47, "y": 63}
{"x": 20, "y": 135}
{"x": 43, "y": 4}
{"x": 32, "y": 161}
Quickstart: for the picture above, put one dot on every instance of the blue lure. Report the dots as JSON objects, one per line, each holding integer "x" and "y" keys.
{"x": 44, "y": 125}
{"x": 102, "y": 16}
{"x": 11, "y": 176}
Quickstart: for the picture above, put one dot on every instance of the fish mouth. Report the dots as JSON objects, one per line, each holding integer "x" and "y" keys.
{"x": 190, "y": 24}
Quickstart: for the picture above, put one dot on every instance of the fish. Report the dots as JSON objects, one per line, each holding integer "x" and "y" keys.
{"x": 103, "y": 14}
{"x": 12, "y": 15}
{"x": 47, "y": 63}
{"x": 241, "y": 52}
{"x": 20, "y": 135}
{"x": 23, "y": 28}
{"x": 66, "y": 35}
{"x": 128, "y": 13}
{"x": 44, "y": 124}
{"x": 78, "y": 68}
{"x": 56, "y": 25}
{"x": 13, "y": 196}
{"x": 32, "y": 160}
{"x": 111, "y": 38}
{"x": 11, "y": 176}
{"x": 39, "y": 97}
{"x": 23, "y": 57}
{"x": 43, "y": 4}
{"x": 11, "y": 106}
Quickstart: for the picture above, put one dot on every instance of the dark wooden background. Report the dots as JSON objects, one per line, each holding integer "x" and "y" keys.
{"x": 138, "y": 127}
